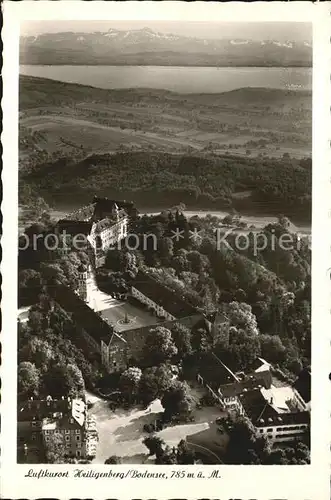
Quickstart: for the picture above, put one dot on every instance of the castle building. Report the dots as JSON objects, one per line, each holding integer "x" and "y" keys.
{"x": 96, "y": 227}
{"x": 40, "y": 420}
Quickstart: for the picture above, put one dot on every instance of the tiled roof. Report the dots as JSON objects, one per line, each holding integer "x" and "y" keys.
{"x": 163, "y": 296}
{"x": 256, "y": 407}
{"x": 73, "y": 227}
{"x": 262, "y": 414}
{"x": 256, "y": 381}
{"x": 83, "y": 315}
{"x": 108, "y": 205}
{"x": 215, "y": 372}
{"x": 38, "y": 409}
{"x": 291, "y": 418}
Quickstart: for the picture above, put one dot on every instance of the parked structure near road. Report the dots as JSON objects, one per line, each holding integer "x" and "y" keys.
{"x": 39, "y": 420}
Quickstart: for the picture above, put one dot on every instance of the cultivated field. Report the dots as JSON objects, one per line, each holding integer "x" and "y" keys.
{"x": 103, "y": 121}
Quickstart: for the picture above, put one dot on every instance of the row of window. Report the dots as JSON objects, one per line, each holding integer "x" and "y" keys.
{"x": 282, "y": 429}
{"x": 67, "y": 438}
{"x": 65, "y": 431}
{"x": 286, "y": 437}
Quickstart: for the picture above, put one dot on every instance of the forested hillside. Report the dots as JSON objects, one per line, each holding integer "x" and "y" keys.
{"x": 207, "y": 181}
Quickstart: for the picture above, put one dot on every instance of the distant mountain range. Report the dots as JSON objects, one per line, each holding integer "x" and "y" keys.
{"x": 147, "y": 47}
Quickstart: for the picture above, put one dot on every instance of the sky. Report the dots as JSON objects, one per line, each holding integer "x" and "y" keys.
{"x": 254, "y": 31}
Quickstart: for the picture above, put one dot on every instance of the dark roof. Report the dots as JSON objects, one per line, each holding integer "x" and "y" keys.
{"x": 262, "y": 379}
{"x": 73, "y": 227}
{"x": 34, "y": 409}
{"x": 105, "y": 206}
{"x": 256, "y": 407}
{"x": 300, "y": 417}
{"x": 303, "y": 384}
{"x": 163, "y": 296}
{"x": 262, "y": 414}
{"x": 215, "y": 372}
{"x": 83, "y": 315}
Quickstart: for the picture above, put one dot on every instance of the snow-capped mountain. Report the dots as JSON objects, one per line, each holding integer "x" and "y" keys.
{"x": 145, "y": 46}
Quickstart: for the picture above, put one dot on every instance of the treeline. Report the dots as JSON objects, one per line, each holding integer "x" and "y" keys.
{"x": 206, "y": 181}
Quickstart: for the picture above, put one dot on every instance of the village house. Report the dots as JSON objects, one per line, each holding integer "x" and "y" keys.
{"x": 39, "y": 420}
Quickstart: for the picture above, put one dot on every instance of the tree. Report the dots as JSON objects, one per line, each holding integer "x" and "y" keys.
{"x": 184, "y": 455}
{"x": 55, "y": 449}
{"x": 64, "y": 380}
{"x": 166, "y": 248}
{"x": 154, "y": 382}
{"x": 166, "y": 456}
{"x": 241, "y": 445}
{"x": 154, "y": 445}
{"x": 177, "y": 401}
{"x": 129, "y": 382}
{"x": 182, "y": 338}
{"x": 240, "y": 315}
{"x": 272, "y": 348}
{"x": 28, "y": 380}
{"x": 159, "y": 346}
{"x": 113, "y": 460}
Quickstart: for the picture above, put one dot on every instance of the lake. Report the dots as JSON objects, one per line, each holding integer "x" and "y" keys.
{"x": 178, "y": 79}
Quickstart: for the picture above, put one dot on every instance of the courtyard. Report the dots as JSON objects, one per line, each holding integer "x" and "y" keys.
{"x": 123, "y": 315}
{"x": 126, "y": 316}
{"x": 121, "y": 432}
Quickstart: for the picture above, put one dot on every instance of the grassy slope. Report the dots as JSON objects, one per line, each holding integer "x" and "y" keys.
{"x": 65, "y": 117}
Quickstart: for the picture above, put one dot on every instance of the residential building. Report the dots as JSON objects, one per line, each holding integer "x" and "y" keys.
{"x": 277, "y": 410}
{"x": 40, "y": 420}
{"x": 272, "y": 421}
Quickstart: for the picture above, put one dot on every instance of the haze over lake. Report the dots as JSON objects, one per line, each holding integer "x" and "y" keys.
{"x": 178, "y": 79}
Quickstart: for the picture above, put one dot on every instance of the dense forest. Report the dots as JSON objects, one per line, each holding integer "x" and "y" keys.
{"x": 206, "y": 181}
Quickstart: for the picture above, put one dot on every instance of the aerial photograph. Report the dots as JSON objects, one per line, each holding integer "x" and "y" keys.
{"x": 164, "y": 243}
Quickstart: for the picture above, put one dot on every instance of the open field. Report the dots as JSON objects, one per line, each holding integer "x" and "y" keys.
{"x": 102, "y": 121}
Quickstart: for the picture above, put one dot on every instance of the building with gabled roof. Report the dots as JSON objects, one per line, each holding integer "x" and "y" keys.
{"x": 39, "y": 420}
{"x": 100, "y": 225}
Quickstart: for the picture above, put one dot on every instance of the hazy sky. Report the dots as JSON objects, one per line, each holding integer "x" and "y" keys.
{"x": 255, "y": 31}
